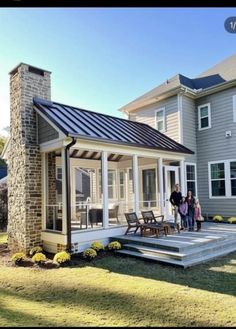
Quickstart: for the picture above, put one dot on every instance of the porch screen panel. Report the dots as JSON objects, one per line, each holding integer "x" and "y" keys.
{"x": 53, "y": 194}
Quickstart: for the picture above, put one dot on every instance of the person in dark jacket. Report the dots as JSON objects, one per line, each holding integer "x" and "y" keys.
{"x": 175, "y": 198}
{"x": 190, "y": 214}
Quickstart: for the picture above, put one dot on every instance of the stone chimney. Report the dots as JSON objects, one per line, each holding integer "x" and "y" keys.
{"x": 24, "y": 161}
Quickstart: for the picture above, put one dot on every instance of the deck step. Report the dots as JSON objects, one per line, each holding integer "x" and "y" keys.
{"x": 172, "y": 261}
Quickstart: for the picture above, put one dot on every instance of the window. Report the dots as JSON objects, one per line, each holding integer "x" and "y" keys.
{"x": 204, "y": 116}
{"x": 190, "y": 170}
{"x": 234, "y": 108}
{"x": 222, "y": 179}
{"x": 233, "y": 177}
{"x": 111, "y": 183}
{"x": 160, "y": 119}
{"x": 122, "y": 184}
{"x": 218, "y": 179}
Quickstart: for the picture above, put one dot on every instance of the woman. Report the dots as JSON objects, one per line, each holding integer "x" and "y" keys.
{"x": 190, "y": 213}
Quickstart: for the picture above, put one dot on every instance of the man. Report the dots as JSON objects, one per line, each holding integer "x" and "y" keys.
{"x": 175, "y": 198}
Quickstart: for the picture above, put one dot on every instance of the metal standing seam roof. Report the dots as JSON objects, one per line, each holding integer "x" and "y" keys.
{"x": 76, "y": 122}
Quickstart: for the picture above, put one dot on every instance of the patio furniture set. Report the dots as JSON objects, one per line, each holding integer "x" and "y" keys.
{"x": 149, "y": 224}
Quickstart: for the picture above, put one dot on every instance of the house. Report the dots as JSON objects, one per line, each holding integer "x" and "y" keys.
{"x": 199, "y": 113}
{"x": 73, "y": 173}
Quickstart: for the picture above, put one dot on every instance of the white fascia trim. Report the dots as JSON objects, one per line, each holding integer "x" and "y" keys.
{"x": 209, "y": 116}
{"x": 164, "y": 118}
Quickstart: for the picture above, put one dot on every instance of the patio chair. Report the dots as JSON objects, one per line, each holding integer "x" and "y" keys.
{"x": 134, "y": 223}
{"x": 150, "y": 218}
{"x": 113, "y": 212}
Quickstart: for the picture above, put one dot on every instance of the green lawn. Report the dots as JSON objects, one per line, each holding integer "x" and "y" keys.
{"x": 3, "y": 237}
{"x": 117, "y": 291}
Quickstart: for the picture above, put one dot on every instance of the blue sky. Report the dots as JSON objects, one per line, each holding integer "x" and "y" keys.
{"x": 103, "y": 58}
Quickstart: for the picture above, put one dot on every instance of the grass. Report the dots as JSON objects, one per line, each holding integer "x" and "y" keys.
{"x": 116, "y": 291}
{"x": 3, "y": 237}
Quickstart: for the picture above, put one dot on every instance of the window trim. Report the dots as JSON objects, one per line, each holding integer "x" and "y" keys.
{"x": 195, "y": 171}
{"x": 163, "y": 109}
{"x": 228, "y": 194}
{"x": 234, "y": 108}
{"x": 208, "y": 105}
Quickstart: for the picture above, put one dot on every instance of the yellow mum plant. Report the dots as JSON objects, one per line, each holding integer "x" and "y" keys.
{"x": 89, "y": 253}
{"x": 114, "y": 245}
{"x": 39, "y": 258}
{"x": 61, "y": 257}
{"x": 18, "y": 257}
{"x": 96, "y": 245}
{"x": 232, "y": 220}
{"x": 35, "y": 250}
{"x": 218, "y": 218}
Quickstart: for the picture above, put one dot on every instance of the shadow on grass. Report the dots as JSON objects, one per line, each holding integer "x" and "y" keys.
{"x": 116, "y": 307}
{"x": 218, "y": 275}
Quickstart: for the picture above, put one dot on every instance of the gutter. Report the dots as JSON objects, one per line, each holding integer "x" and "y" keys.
{"x": 68, "y": 192}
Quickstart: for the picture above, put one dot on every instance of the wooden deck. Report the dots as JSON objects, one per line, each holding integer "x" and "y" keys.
{"x": 184, "y": 249}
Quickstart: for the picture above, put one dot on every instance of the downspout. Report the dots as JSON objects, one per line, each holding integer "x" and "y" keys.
{"x": 68, "y": 192}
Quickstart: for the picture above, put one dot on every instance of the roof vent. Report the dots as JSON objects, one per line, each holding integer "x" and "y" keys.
{"x": 36, "y": 71}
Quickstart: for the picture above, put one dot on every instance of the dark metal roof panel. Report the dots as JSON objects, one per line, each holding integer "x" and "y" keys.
{"x": 82, "y": 123}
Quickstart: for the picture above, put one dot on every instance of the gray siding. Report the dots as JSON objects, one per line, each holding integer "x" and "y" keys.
{"x": 189, "y": 116}
{"x": 45, "y": 131}
{"x": 147, "y": 115}
{"x": 212, "y": 145}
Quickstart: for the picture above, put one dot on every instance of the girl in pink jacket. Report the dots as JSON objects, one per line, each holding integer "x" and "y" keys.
{"x": 197, "y": 214}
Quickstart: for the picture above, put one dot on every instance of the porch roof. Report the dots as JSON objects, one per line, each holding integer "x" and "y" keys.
{"x": 81, "y": 123}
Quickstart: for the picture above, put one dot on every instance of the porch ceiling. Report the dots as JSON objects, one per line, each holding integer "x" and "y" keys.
{"x": 90, "y": 155}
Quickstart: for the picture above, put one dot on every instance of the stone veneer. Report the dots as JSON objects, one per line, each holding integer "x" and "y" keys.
{"x": 24, "y": 161}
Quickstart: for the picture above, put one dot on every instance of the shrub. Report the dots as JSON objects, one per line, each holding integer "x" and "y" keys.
{"x": 96, "y": 245}
{"x": 89, "y": 253}
{"x": 218, "y": 218}
{"x": 232, "y": 220}
{"x": 61, "y": 257}
{"x": 18, "y": 257}
{"x": 114, "y": 245}
{"x": 39, "y": 258}
{"x": 35, "y": 250}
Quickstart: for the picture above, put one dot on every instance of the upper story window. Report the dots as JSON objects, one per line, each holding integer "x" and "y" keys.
{"x": 204, "y": 116}
{"x": 234, "y": 108}
{"x": 160, "y": 119}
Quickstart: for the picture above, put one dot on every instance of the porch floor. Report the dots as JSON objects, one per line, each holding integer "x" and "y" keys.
{"x": 184, "y": 249}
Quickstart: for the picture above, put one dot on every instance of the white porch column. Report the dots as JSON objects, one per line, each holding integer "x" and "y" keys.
{"x": 182, "y": 178}
{"x": 105, "y": 189}
{"x": 161, "y": 185}
{"x": 136, "y": 184}
{"x": 64, "y": 202}
{"x": 44, "y": 190}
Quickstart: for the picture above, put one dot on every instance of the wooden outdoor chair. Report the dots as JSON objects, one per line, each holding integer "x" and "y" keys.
{"x": 134, "y": 223}
{"x": 150, "y": 218}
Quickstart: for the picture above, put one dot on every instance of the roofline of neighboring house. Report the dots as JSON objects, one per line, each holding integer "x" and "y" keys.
{"x": 193, "y": 93}
{"x": 3, "y": 155}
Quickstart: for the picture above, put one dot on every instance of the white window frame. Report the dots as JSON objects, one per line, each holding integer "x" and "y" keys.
{"x": 208, "y": 105}
{"x": 195, "y": 171}
{"x": 227, "y": 179}
{"x": 234, "y": 108}
{"x": 121, "y": 185}
{"x": 164, "y": 119}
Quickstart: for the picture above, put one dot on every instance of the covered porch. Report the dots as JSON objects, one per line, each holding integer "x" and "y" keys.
{"x": 89, "y": 183}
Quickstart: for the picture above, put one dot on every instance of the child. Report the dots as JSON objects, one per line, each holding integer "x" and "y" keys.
{"x": 198, "y": 214}
{"x": 183, "y": 209}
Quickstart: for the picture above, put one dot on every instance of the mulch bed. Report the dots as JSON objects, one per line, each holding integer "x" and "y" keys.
{"x": 76, "y": 259}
